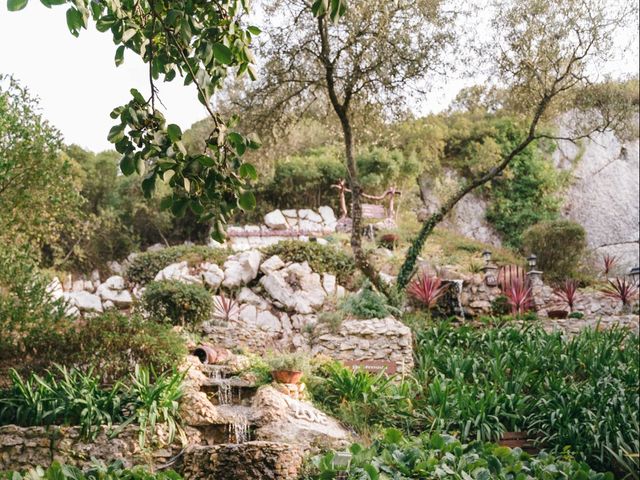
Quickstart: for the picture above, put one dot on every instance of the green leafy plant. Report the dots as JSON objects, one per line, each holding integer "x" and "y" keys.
{"x": 114, "y": 471}
{"x": 577, "y": 315}
{"x": 298, "y": 362}
{"x": 500, "y": 305}
{"x": 559, "y": 246}
{"x": 366, "y": 304}
{"x": 567, "y": 293}
{"x": 177, "y": 302}
{"x": 443, "y": 456}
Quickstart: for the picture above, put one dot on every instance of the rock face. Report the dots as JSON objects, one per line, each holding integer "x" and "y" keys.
{"x": 22, "y": 448}
{"x": 113, "y": 290}
{"x": 284, "y": 419}
{"x": 241, "y": 269}
{"x": 247, "y": 461}
{"x": 603, "y": 196}
{"x": 376, "y": 339}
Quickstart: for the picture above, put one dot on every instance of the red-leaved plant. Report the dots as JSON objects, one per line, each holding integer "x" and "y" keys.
{"x": 515, "y": 286}
{"x": 427, "y": 290}
{"x": 568, "y": 293}
{"x": 608, "y": 262}
{"x": 622, "y": 290}
{"x": 224, "y": 308}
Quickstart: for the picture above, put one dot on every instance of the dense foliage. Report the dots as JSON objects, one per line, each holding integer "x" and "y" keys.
{"x": 559, "y": 246}
{"x": 114, "y": 471}
{"x": 321, "y": 258}
{"x": 442, "y": 456}
{"x": 177, "y": 302}
{"x": 72, "y": 397}
{"x": 582, "y": 393}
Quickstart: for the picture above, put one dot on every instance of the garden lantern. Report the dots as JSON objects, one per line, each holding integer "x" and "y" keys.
{"x": 532, "y": 260}
{"x": 634, "y": 273}
{"x": 487, "y": 256}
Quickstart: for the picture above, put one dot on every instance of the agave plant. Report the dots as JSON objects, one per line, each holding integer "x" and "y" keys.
{"x": 427, "y": 290}
{"x": 608, "y": 262}
{"x": 224, "y": 309}
{"x": 568, "y": 293}
{"x": 621, "y": 289}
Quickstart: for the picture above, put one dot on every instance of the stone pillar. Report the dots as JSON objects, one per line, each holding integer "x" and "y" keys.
{"x": 535, "y": 280}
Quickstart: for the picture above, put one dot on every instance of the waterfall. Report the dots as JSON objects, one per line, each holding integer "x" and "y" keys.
{"x": 239, "y": 429}
{"x": 460, "y": 307}
{"x": 225, "y": 393}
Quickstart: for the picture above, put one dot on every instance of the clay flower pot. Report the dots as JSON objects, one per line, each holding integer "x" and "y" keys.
{"x": 287, "y": 376}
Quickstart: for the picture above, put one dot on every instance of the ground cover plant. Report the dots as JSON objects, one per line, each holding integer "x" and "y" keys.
{"x": 114, "y": 471}
{"x": 70, "y": 397}
{"x": 433, "y": 456}
{"x": 581, "y": 393}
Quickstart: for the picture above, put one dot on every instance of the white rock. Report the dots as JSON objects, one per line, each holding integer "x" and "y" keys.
{"x": 54, "y": 289}
{"x": 310, "y": 215}
{"x": 85, "y": 301}
{"x": 115, "y": 282}
{"x": 248, "y": 314}
{"x": 241, "y": 269}
{"x": 290, "y": 213}
{"x": 115, "y": 268}
{"x": 272, "y": 264}
{"x": 120, "y": 298}
{"x": 108, "y": 305}
{"x": 253, "y": 229}
{"x": 246, "y": 295}
{"x": 329, "y": 283}
{"x": 268, "y": 321}
{"x": 309, "y": 226}
{"x": 276, "y": 220}
{"x": 327, "y": 215}
{"x": 322, "y": 241}
{"x": 212, "y": 274}
{"x": 240, "y": 244}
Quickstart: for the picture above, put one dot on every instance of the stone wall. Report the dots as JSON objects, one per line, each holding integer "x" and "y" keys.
{"x": 247, "y": 461}
{"x": 27, "y": 447}
{"x": 376, "y": 339}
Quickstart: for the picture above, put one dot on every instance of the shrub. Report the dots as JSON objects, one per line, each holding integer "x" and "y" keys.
{"x": 115, "y": 471}
{"x": 559, "y": 246}
{"x": 427, "y": 290}
{"x": 289, "y": 361}
{"x": 567, "y": 293}
{"x": 577, "y": 315}
{"x": 29, "y": 318}
{"x": 145, "y": 266}
{"x": 177, "y": 302}
{"x": 113, "y": 344}
{"x": 500, "y": 305}
{"x": 321, "y": 258}
{"x": 73, "y": 398}
{"x": 444, "y": 456}
{"x": 366, "y": 304}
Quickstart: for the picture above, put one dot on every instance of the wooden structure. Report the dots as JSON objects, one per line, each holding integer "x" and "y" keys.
{"x": 369, "y": 210}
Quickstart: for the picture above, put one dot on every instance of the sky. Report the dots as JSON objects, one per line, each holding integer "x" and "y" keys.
{"x": 69, "y": 75}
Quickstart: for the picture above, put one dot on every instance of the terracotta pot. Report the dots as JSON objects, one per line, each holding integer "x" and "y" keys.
{"x": 206, "y": 353}
{"x": 287, "y": 376}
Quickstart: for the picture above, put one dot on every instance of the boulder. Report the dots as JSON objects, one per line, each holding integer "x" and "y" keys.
{"x": 268, "y": 321}
{"x": 115, "y": 282}
{"x": 120, "y": 298}
{"x": 246, "y": 295}
{"x": 54, "y": 289}
{"x": 280, "y": 418}
{"x": 86, "y": 301}
{"x": 272, "y": 264}
{"x": 327, "y": 215}
{"x": 329, "y": 283}
{"x": 296, "y": 287}
{"x": 241, "y": 269}
{"x": 212, "y": 274}
{"x": 179, "y": 272}
{"x": 276, "y": 220}
{"x": 309, "y": 215}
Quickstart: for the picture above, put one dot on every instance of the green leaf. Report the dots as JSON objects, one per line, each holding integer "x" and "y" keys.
{"x": 206, "y": 161}
{"x": 254, "y": 30}
{"x": 148, "y": 186}
{"x": 166, "y": 176}
{"x": 174, "y": 132}
{"x": 74, "y": 21}
{"x": 128, "y": 34}
{"x": 247, "y": 200}
{"x": 248, "y": 171}
{"x": 138, "y": 96}
{"x": 15, "y": 5}
{"x": 127, "y": 165}
{"x": 119, "y": 55}
{"x": 222, "y": 53}
{"x": 116, "y": 133}
{"x": 179, "y": 207}
{"x": 166, "y": 202}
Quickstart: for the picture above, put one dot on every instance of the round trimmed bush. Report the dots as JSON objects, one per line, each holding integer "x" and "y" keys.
{"x": 178, "y": 303}
{"x": 559, "y": 245}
